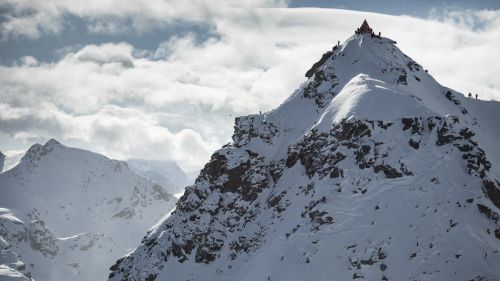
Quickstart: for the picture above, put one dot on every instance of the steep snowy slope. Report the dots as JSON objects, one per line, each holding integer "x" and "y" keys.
{"x": 69, "y": 213}
{"x": 369, "y": 170}
{"x": 167, "y": 173}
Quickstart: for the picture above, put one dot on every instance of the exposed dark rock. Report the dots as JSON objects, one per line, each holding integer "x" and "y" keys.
{"x": 492, "y": 191}
{"x": 214, "y": 168}
{"x": 351, "y": 130}
{"x": 389, "y": 171}
{"x": 383, "y": 125}
{"x": 451, "y": 97}
{"x": 414, "y": 144}
{"x": 413, "y": 66}
{"x": 319, "y": 63}
{"x": 383, "y": 266}
{"x": 357, "y": 276}
{"x": 276, "y": 169}
{"x": 402, "y": 79}
{"x": 492, "y": 215}
{"x": 245, "y": 130}
{"x": 466, "y": 133}
{"x": 292, "y": 159}
{"x": 319, "y": 217}
{"x": 414, "y": 124}
{"x": 337, "y": 172}
{"x": 443, "y": 137}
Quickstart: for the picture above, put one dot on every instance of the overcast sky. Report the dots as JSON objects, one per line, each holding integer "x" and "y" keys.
{"x": 164, "y": 79}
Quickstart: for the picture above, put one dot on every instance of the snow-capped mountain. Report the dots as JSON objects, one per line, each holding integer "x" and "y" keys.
{"x": 68, "y": 214}
{"x": 369, "y": 170}
{"x": 167, "y": 173}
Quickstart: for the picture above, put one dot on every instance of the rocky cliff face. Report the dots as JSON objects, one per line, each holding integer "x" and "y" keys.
{"x": 67, "y": 214}
{"x": 369, "y": 170}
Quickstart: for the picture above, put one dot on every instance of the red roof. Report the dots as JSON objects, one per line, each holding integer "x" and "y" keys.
{"x": 365, "y": 28}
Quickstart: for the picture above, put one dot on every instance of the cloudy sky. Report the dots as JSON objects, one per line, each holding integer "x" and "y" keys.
{"x": 164, "y": 79}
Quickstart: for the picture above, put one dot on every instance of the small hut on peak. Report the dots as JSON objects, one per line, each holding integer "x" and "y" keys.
{"x": 365, "y": 28}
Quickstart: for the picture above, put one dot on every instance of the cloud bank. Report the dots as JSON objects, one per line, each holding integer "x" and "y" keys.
{"x": 178, "y": 102}
{"x": 33, "y": 18}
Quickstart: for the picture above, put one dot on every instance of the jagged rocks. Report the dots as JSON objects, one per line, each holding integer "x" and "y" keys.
{"x": 492, "y": 190}
{"x": 451, "y": 97}
{"x": 492, "y": 215}
{"x": 443, "y": 137}
{"x": 402, "y": 79}
{"x": 246, "y": 177}
{"x": 337, "y": 172}
{"x": 389, "y": 171}
{"x": 413, "y": 66}
{"x": 249, "y": 127}
{"x": 319, "y": 63}
{"x": 322, "y": 81}
{"x": 350, "y": 130}
{"x": 414, "y": 123}
{"x": 414, "y": 144}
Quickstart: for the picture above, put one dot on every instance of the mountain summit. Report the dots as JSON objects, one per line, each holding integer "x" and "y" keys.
{"x": 369, "y": 170}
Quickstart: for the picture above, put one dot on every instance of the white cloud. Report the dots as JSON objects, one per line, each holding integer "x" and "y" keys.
{"x": 32, "y": 18}
{"x": 179, "y": 102}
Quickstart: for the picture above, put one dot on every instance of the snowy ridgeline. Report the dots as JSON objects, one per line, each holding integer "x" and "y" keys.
{"x": 369, "y": 170}
{"x": 68, "y": 214}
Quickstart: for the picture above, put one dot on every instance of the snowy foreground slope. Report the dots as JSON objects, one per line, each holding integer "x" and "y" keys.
{"x": 68, "y": 214}
{"x": 369, "y": 170}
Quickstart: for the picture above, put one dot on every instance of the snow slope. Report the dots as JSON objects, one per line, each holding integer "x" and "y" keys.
{"x": 369, "y": 170}
{"x": 69, "y": 213}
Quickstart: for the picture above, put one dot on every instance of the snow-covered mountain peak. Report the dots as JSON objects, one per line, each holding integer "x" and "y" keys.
{"x": 73, "y": 208}
{"x": 368, "y": 77}
{"x": 369, "y": 170}
{"x": 36, "y": 151}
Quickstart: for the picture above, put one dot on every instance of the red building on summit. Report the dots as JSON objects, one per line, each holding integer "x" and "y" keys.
{"x": 365, "y": 28}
